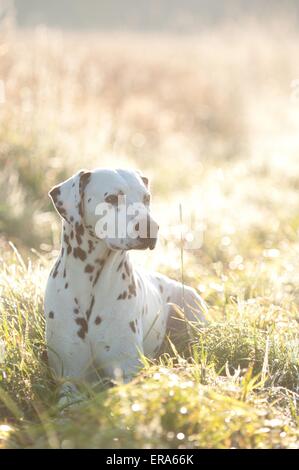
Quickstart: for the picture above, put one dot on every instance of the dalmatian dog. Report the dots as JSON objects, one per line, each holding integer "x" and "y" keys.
{"x": 103, "y": 312}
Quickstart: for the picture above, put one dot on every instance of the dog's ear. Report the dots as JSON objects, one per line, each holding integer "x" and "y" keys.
{"x": 144, "y": 179}
{"x": 68, "y": 196}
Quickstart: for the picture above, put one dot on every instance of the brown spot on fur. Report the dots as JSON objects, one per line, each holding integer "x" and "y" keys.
{"x": 120, "y": 265}
{"x": 56, "y": 267}
{"x": 97, "y": 276}
{"x": 83, "y": 327}
{"x": 132, "y": 326}
{"x": 89, "y": 268}
{"x": 63, "y": 212}
{"x": 79, "y": 253}
{"x": 127, "y": 268}
{"x": 102, "y": 263}
{"x": 79, "y": 229}
{"x": 55, "y": 193}
{"x": 122, "y": 296}
{"x": 132, "y": 288}
{"x": 51, "y": 314}
{"x": 84, "y": 180}
{"x": 90, "y": 246}
{"x": 89, "y": 310}
{"x": 145, "y": 181}
{"x": 98, "y": 273}
{"x": 98, "y": 320}
{"x": 66, "y": 239}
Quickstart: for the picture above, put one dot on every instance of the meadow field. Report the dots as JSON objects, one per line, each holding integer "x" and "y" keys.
{"x": 213, "y": 120}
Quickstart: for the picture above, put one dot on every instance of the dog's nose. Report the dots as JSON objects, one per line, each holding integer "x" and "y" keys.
{"x": 152, "y": 243}
{"x": 147, "y": 233}
{"x": 152, "y": 233}
{"x": 147, "y": 243}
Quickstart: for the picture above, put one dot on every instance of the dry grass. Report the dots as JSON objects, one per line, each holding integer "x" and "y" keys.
{"x": 210, "y": 119}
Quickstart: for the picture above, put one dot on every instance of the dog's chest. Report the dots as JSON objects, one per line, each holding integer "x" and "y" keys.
{"x": 106, "y": 304}
{"x": 143, "y": 316}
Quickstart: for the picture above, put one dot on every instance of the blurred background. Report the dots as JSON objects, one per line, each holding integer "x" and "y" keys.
{"x": 201, "y": 96}
{"x": 141, "y": 15}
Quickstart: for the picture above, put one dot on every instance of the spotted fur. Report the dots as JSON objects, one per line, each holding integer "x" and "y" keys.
{"x": 102, "y": 311}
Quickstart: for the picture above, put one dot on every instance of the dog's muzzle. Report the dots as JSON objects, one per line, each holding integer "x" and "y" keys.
{"x": 147, "y": 243}
{"x": 151, "y": 238}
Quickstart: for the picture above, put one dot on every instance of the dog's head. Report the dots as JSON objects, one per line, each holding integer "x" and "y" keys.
{"x": 113, "y": 205}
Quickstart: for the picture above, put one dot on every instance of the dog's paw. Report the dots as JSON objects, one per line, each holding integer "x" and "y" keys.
{"x": 69, "y": 396}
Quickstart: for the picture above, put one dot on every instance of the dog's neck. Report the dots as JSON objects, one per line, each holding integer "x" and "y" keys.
{"x": 86, "y": 256}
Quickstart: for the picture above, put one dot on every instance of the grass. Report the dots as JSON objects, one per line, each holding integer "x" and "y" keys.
{"x": 208, "y": 118}
{"x": 235, "y": 385}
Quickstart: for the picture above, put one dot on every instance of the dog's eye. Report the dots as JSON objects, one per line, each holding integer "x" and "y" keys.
{"x": 112, "y": 199}
{"x": 146, "y": 199}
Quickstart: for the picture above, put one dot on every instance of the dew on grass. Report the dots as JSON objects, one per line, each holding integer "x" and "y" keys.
{"x": 136, "y": 407}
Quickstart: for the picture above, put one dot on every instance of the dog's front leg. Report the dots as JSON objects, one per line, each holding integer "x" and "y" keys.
{"x": 69, "y": 395}
{"x": 123, "y": 371}
{"x": 125, "y": 360}
{"x": 70, "y": 361}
